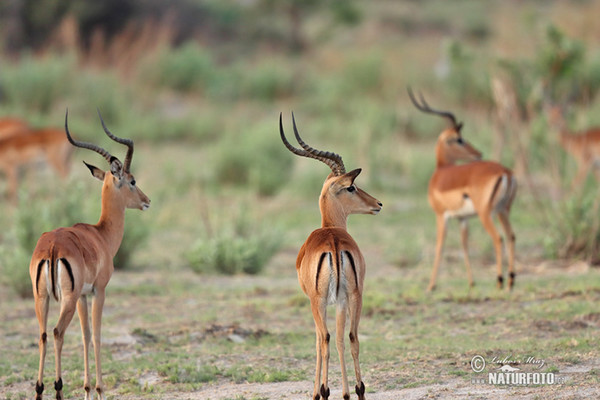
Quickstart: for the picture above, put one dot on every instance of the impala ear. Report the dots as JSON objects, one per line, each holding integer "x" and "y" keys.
{"x": 116, "y": 168}
{"x": 348, "y": 178}
{"x": 96, "y": 172}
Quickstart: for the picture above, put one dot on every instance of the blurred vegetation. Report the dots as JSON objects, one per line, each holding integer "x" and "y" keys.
{"x": 211, "y": 77}
{"x": 239, "y": 243}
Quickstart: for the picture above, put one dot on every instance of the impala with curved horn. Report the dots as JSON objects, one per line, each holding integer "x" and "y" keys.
{"x": 70, "y": 263}
{"x": 481, "y": 188}
{"x": 330, "y": 266}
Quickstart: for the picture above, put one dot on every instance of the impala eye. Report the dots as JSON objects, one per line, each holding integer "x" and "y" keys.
{"x": 132, "y": 182}
{"x": 351, "y": 189}
{"x": 460, "y": 141}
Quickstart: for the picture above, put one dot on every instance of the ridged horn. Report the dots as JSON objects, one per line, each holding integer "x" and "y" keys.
{"x": 332, "y": 160}
{"x": 126, "y": 142}
{"x": 424, "y": 107}
{"x": 85, "y": 145}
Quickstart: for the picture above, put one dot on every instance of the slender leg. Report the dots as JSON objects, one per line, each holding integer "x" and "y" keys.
{"x": 488, "y": 224}
{"x": 439, "y": 245}
{"x": 355, "y": 308}
{"x": 339, "y": 341}
{"x": 464, "y": 235}
{"x": 82, "y": 311}
{"x": 319, "y": 309}
{"x": 583, "y": 168}
{"x": 41, "y": 311}
{"x": 67, "y": 310}
{"x": 97, "y": 305}
{"x": 12, "y": 177}
{"x": 509, "y": 234}
{"x": 316, "y": 395}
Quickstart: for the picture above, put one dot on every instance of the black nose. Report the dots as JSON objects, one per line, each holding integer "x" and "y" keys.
{"x": 380, "y": 204}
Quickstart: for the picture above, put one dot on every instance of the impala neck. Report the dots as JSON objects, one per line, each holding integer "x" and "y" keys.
{"x": 441, "y": 157}
{"x": 112, "y": 217}
{"x": 332, "y": 214}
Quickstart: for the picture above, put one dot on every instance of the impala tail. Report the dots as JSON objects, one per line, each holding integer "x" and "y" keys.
{"x": 339, "y": 267}
{"x": 53, "y": 270}
{"x": 504, "y": 192}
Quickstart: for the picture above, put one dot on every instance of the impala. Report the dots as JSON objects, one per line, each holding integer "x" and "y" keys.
{"x": 11, "y": 126}
{"x": 24, "y": 146}
{"x": 330, "y": 266}
{"x": 584, "y": 147}
{"x": 481, "y": 188}
{"x": 70, "y": 263}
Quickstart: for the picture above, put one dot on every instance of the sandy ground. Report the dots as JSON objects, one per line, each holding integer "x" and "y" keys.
{"x": 453, "y": 389}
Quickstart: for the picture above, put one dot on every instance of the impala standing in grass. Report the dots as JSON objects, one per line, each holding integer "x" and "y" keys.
{"x": 68, "y": 264}
{"x": 476, "y": 188}
{"x": 20, "y": 145}
{"x": 583, "y": 146}
{"x": 330, "y": 266}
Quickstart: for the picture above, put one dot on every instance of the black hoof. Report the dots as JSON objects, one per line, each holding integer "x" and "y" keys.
{"x": 39, "y": 389}
{"x": 324, "y": 392}
{"x": 360, "y": 391}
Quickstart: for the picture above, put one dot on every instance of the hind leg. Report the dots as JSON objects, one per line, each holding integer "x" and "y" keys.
{"x": 82, "y": 310}
{"x": 355, "y": 308}
{"x": 464, "y": 235}
{"x": 41, "y": 312}
{"x": 488, "y": 224}
{"x": 67, "y": 310}
{"x": 339, "y": 341}
{"x": 319, "y": 309}
{"x": 509, "y": 234}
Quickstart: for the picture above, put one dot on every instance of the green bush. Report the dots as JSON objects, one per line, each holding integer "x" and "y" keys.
{"x": 241, "y": 245}
{"x": 575, "y": 230}
{"x": 186, "y": 68}
{"x": 36, "y": 84}
{"x": 268, "y": 81}
{"x": 254, "y": 158}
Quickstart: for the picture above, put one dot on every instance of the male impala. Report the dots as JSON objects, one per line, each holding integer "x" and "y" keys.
{"x": 70, "y": 263}
{"x": 26, "y": 145}
{"x": 330, "y": 266}
{"x": 583, "y": 146}
{"x": 481, "y": 188}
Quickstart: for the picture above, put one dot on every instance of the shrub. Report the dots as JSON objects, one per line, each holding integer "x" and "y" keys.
{"x": 186, "y": 68}
{"x": 36, "y": 84}
{"x": 239, "y": 246}
{"x": 575, "y": 232}
{"x": 256, "y": 159}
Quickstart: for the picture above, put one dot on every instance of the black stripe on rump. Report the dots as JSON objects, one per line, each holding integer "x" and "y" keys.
{"x": 349, "y": 255}
{"x": 37, "y": 277}
{"x": 337, "y": 264}
{"x": 319, "y": 271}
{"x": 70, "y": 271}
{"x": 496, "y": 186}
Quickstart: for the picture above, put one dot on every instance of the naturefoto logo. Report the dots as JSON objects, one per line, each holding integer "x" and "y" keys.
{"x": 502, "y": 371}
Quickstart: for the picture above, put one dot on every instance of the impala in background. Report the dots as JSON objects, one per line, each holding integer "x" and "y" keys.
{"x": 68, "y": 264}
{"x": 583, "y": 146}
{"x": 21, "y": 145}
{"x": 330, "y": 266}
{"x": 476, "y": 188}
